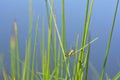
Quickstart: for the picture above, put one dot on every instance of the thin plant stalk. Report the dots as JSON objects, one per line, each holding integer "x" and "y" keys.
{"x": 55, "y": 62}
{"x": 117, "y": 76}
{"x": 87, "y": 59}
{"x": 75, "y": 59}
{"x": 33, "y": 61}
{"x": 17, "y": 49}
{"x": 13, "y": 61}
{"x": 63, "y": 26}
{"x": 29, "y": 40}
{"x": 86, "y": 27}
{"x": 61, "y": 45}
{"x": 109, "y": 42}
{"x": 24, "y": 70}
{"x": 43, "y": 50}
{"x": 49, "y": 42}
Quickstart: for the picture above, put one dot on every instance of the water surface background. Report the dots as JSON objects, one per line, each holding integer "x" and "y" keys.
{"x": 101, "y": 21}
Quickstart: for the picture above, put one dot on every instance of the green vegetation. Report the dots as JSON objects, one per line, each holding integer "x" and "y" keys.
{"x": 109, "y": 41}
{"x": 27, "y": 69}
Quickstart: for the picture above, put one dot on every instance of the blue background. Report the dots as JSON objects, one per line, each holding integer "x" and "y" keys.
{"x": 101, "y": 21}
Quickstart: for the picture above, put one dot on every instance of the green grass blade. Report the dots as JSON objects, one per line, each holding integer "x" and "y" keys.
{"x": 107, "y": 77}
{"x": 29, "y": 40}
{"x": 58, "y": 68}
{"x": 2, "y": 69}
{"x": 1, "y": 62}
{"x": 85, "y": 27}
{"x": 58, "y": 34}
{"x": 86, "y": 45}
{"x": 17, "y": 50}
{"x": 64, "y": 31}
{"x": 75, "y": 59}
{"x": 24, "y": 70}
{"x": 109, "y": 42}
{"x": 50, "y": 43}
{"x": 12, "y": 53}
{"x": 49, "y": 51}
{"x": 87, "y": 59}
{"x": 53, "y": 73}
{"x": 63, "y": 26}
{"x": 85, "y": 33}
{"x": 5, "y": 76}
{"x": 33, "y": 61}
{"x": 37, "y": 67}
{"x": 55, "y": 62}
{"x": 47, "y": 11}
{"x": 61, "y": 45}
{"x": 27, "y": 69}
{"x": 43, "y": 53}
{"x": 117, "y": 76}
{"x": 95, "y": 72}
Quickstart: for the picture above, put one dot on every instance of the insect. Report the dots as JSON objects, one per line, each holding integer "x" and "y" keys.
{"x": 71, "y": 52}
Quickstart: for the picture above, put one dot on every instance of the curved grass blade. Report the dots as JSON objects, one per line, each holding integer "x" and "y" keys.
{"x": 117, "y": 76}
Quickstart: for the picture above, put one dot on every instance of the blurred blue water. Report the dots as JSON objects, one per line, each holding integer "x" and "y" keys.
{"x": 101, "y": 21}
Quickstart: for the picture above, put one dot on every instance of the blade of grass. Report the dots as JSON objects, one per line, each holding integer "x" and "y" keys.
{"x": 75, "y": 60}
{"x": 58, "y": 68}
{"x": 43, "y": 50}
{"x": 36, "y": 60}
{"x": 55, "y": 62}
{"x": 47, "y": 11}
{"x": 1, "y": 62}
{"x": 61, "y": 45}
{"x": 109, "y": 42}
{"x": 26, "y": 67}
{"x": 63, "y": 34}
{"x": 49, "y": 53}
{"x": 86, "y": 62}
{"x": 33, "y": 61}
{"x": 53, "y": 77}
{"x": 85, "y": 33}
{"x": 85, "y": 27}
{"x": 24, "y": 64}
{"x": 29, "y": 40}
{"x": 53, "y": 73}
{"x": 107, "y": 77}
{"x": 63, "y": 26}
{"x": 117, "y": 76}
{"x": 50, "y": 43}
{"x": 17, "y": 49}
{"x": 12, "y": 51}
{"x": 5, "y": 76}
{"x": 95, "y": 72}
{"x": 86, "y": 45}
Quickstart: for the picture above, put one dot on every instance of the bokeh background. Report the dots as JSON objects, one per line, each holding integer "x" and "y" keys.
{"x": 101, "y": 21}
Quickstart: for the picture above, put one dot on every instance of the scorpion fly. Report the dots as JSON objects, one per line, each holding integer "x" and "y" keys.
{"x": 71, "y": 52}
